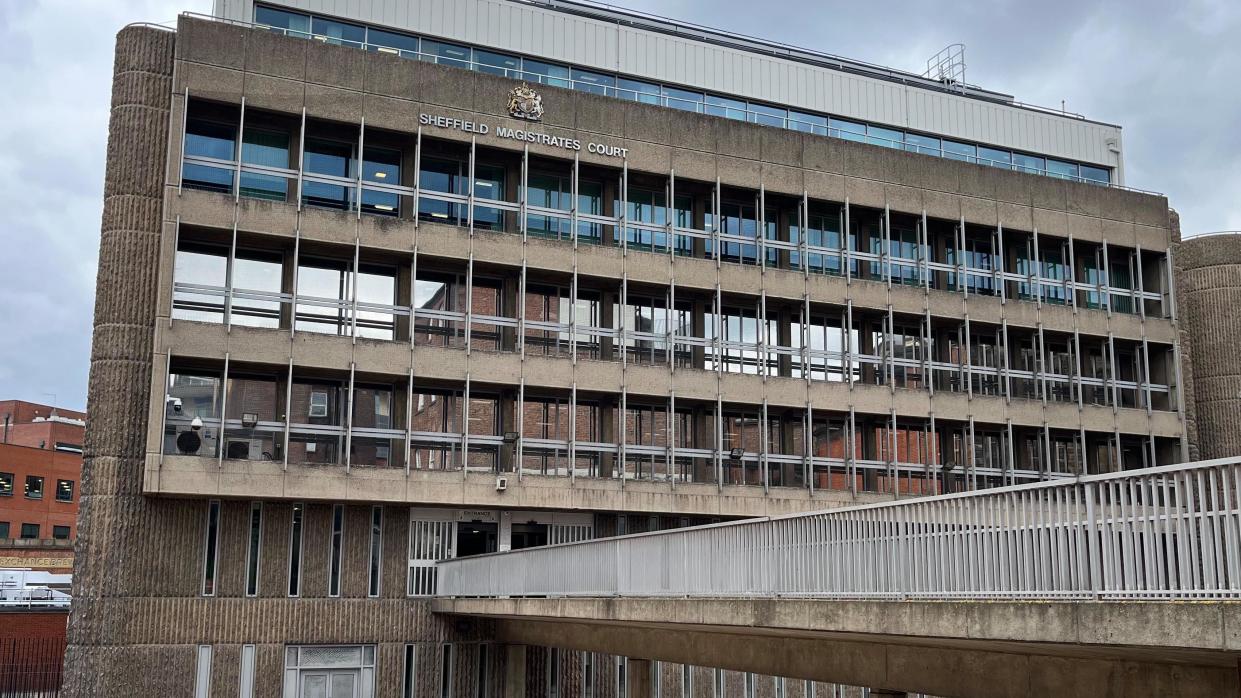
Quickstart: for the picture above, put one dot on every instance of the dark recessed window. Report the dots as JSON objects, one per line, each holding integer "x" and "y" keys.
{"x": 496, "y": 63}
{"x": 4, "y": 529}
{"x": 30, "y": 530}
{"x": 283, "y": 22}
{"x": 332, "y": 32}
{"x": 6, "y": 484}
{"x": 64, "y": 490}
{"x": 34, "y": 487}
{"x": 445, "y": 54}
{"x": 391, "y": 42}
{"x": 60, "y": 532}
{"x": 1100, "y": 175}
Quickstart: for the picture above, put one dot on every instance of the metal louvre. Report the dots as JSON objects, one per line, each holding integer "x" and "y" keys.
{"x": 1160, "y": 533}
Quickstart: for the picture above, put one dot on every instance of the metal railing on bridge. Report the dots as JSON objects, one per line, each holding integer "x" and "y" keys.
{"x": 1172, "y": 532}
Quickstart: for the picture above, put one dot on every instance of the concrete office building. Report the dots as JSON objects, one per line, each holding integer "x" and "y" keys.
{"x": 440, "y": 278}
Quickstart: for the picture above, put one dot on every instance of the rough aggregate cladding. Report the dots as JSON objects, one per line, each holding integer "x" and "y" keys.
{"x": 1209, "y": 288}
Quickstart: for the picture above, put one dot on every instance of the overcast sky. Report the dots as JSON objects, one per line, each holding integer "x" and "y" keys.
{"x": 1166, "y": 72}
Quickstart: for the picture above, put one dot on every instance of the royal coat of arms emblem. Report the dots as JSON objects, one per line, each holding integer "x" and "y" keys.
{"x": 525, "y": 103}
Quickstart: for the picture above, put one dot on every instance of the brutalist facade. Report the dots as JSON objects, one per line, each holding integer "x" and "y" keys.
{"x": 528, "y": 314}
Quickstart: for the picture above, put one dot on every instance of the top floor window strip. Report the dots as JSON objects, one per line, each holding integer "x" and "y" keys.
{"x": 612, "y": 85}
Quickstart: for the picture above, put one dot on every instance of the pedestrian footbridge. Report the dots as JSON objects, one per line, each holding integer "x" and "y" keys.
{"x": 1123, "y": 584}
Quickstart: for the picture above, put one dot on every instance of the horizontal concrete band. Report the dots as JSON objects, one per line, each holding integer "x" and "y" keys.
{"x": 226, "y": 63}
{"x": 435, "y": 240}
{"x": 309, "y": 350}
{"x": 942, "y": 648}
{"x": 205, "y": 477}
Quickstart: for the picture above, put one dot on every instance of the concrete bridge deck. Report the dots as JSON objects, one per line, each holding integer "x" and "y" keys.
{"x": 1017, "y": 649}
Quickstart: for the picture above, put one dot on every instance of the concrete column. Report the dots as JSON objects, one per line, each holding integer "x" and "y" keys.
{"x": 638, "y": 678}
{"x": 515, "y": 671}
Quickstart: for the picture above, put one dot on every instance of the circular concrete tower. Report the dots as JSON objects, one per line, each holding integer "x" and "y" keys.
{"x": 1208, "y": 271}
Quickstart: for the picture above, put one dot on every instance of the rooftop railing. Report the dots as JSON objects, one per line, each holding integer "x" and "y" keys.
{"x": 1170, "y": 533}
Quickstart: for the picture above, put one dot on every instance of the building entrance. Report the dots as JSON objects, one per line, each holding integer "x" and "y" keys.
{"x": 476, "y": 538}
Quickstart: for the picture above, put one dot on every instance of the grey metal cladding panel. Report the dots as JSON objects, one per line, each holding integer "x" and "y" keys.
{"x": 603, "y": 45}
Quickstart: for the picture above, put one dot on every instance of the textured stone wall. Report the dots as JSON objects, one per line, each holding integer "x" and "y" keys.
{"x": 113, "y": 512}
{"x": 1208, "y": 275}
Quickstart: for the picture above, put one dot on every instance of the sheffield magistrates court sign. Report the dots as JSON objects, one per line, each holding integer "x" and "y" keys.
{"x": 524, "y": 103}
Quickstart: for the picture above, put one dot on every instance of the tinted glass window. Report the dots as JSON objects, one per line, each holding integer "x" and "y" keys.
{"x": 64, "y": 490}
{"x": 338, "y": 33}
{"x": 1091, "y": 173}
{"x": 725, "y": 107}
{"x": 34, "y": 487}
{"x": 594, "y": 82}
{"x": 848, "y": 130}
{"x": 282, "y": 22}
{"x": 685, "y": 100}
{"x": 6, "y": 485}
{"x": 60, "y": 532}
{"x": 448, "y": 54}
{"x": 268, "y": 149}
{"x": 391, "y": 42}
{"x": 1027, "y": 163}
{"x": 994, "y": 157}
{"x": 809, "y": 123}
{"x": 637, "y": 91}
{"x": 966, "y": 152}
{"x": 889, "y": 138}
{"x": 768, "y": 116}
{"x": 30, "y": 530}
{"x": 333, "y": 158}
{"x": 4, "y": 529}
{"x": 1064, "y": 170}
{"x": 496, "y": 63}
{"x": 381, "y": 165}
{"x": 545, "y": 73}
{"x": 921, "y": 144}
{"x": 210, "y": 139}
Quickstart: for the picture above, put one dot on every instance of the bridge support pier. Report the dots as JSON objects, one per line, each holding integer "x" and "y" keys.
{"x": 638, "y": 678}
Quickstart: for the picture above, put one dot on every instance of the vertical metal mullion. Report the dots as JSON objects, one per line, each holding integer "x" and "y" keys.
{"x": 521, "y": 426}
{"x": 418, "y": 177}
{"x": 301, "y": 159}
{"x": 353, "y": 289}
{"x": 185, "y": 111}
{"x": 465, "y": 428}
{"x": 219, "y": 442}
{"x": 361, "y": 158}
{"x": 349, "y": 419}
{"x": 288, "y": 413}
{"x": 228, "y": 277}
{"x": 409, "y": 418}
{"x": 241, "y": 135}
{"x": 846, "y": 247}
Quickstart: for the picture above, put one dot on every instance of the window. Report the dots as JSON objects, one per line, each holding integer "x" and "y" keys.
{"x": 1100, "y": 175}
{"x": 211, "y": 553}
{"x": 6, "y": 484}
{"x": 637, "y": 91}
{"x": 685, "y": 100}
{"x": 208, "y": 139}
{"x": 1028, "y": 163}
{"x": 266, "y": 148}
{"x": 295, "y": 551}
{"x": 68, "y": 447}
{"x": 60, "y": 532}
{"x": 338, "y": 526}
{"x": 283, "y": 22}
{"x": 189, "y": 396}
{"x": 848, "y": 130}
{"x": 255, "y": 547}
{"x": 886, "y": 137}
{"x": 768, "y": 116}
{"x": 34, "y": 487}
{"x": 994, "y": 157}
{"x": 447, "y": 54}
{"x": 325, "y": 670}
{"x": 926, "y": 145}
{"x": 722, "y": 106}
{"x": 202, "y": 677}
{"x": 377, "y": 519}
{"x": 1063, "y": 170}
{"x": 382, "y": 166}
{"x": 4, "y": 529}
{"x": 391, "y": 42}
{"x": 334, "y": 160}
{"x": 247, "y": 671}
{"x": 30, "y": 530}
{"x": 496, "y": 63}
{"x": 333, "y": 32}
{"x": 545, "y": 73}
{"x": 594, "y": 82}
{"x": 965, "y": 152}
{"x": 809, "y": 123}
{"x": 64, "y": 490}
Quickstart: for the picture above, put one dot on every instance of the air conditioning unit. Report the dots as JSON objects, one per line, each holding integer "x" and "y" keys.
{"x": 501, "y": 483}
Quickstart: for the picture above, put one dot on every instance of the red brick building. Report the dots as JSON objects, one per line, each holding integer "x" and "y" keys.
{"x": 40, "y": 473}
